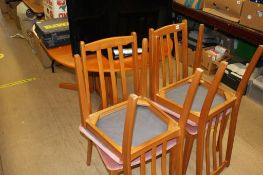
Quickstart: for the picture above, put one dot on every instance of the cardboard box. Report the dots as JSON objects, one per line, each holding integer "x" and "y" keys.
{"x": 55, "y": 8}
{"x": 195, "y": 4}
{"x": 228, "y": 9}
{"x": 252, "y": 15}
{"x": 207, "y": 58}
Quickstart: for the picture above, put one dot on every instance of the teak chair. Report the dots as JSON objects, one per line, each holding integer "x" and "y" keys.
{"x": 211, "y": 109}
{"x": 229, "y": 102}
{"x": 119, "y": 154}
{"x": 107, "y": 69}
{"x": 170, "y": 52}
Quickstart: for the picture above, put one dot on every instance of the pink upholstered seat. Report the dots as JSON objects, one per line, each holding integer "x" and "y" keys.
{"x": 111, "y": 160}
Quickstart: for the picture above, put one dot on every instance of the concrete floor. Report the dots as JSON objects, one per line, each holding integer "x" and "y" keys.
{"x": 39, "y": 121}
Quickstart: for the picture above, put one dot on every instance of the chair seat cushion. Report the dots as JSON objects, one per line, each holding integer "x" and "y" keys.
{"x": 178, "y": 95}
{"x": 111, "y": 160}
{"x": 147, "y": 125}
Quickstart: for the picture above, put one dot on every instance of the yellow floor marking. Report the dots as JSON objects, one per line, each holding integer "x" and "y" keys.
{"x": 17, "y": 83}
{"x": 2, "y": 56}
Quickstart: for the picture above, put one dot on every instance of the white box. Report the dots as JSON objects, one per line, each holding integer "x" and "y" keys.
{"x": 55, "y": 8}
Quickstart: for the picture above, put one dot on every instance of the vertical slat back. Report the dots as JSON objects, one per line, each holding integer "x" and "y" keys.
{"x": 219, "y": 123}
{"x": 153, "y": 167}
{"x": 221, "y": 134}
{"x": 113, "y": 77}
{"x": 170, "y": 62}
{"x": 177, "y": 57}
{"x": 123, "y": 74}
{"x": 204, "y": 115}
{"x": 163, "y": 160}
{"x": 163, "y": 59}
{"x": 207, "y": 147}
{"x": 239, "y": 93}
{"x": 136, "y": 77}
{"x": 214, "y": 142}
{"x": 109, "y": 69}
{"x": 103, "y": 90}
{"x": 173, "y": 51}
{"x": 143, "y": 166}
{"x": 185, "y": 59}
{"x": 143, "y": 76}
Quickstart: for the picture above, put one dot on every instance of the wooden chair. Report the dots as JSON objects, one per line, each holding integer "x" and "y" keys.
{"x": 170, "y": 52}
{"x": 108, "y": 68}
{"x": 203, "y": 124}
{"x": 211, "y": 108}
{"x": 120, "y": 155}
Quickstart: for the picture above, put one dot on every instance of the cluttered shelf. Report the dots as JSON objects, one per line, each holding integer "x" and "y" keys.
{"x": 235, "y": 29}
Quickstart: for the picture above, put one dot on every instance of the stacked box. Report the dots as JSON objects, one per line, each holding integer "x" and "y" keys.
{"x": 228, "y": 9}
{"x": 252, "y": 15}
{"x": 55, "y": 8}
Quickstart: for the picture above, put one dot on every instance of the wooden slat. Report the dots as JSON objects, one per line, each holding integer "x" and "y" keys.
{"x": 170, "y": 63}
{"x": 220, "y": 137}
{"x": 164, "y": 158}
{"x": 143, "y": 166}
{"x": 153, "y": 167}
{"x": 123, "y": 74}
{"x": 161, "y": 45}
{"x": 214, "y": 142}
{"x": 185, "y": 49}
{"x": 177, "y": 57}
{"x": 103, "y": 90}
{"x": 207, "y": 147}
{"x": 112, "y": 76}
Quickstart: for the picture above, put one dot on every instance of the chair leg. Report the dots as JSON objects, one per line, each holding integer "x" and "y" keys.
{"x": 189, "y": 141}
{"x": 89, "y": 152}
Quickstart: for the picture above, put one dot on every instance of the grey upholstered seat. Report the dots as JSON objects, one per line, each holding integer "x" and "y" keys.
{"x": 147, "y": 125}
{"x": 178, "y": 95}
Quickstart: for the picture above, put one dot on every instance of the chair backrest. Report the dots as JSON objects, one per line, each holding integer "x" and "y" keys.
{"x": 168, "y": 47}
{"x": 239, "y": 94}
{"x": 177, "y": 152}
{"x": 109, "y": 68}
{"x": 211, "y": 124}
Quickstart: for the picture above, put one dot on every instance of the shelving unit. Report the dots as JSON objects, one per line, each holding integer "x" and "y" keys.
{"x": 235, "y": 29}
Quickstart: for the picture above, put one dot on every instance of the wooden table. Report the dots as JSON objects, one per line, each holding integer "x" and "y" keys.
{"x": 235, "y": 29}
{"x": 35, "y": 6}
{"x": 63, "y": 55}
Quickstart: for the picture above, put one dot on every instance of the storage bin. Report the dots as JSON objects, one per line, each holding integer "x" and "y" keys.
{"x": 255, "y": 91}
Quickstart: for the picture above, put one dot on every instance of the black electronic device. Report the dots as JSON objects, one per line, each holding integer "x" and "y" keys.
{"x": 53, "y": 32}
{"x": 93, "y": 20}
